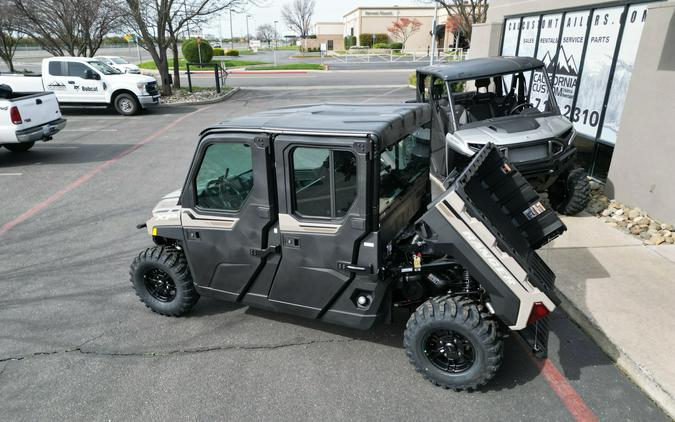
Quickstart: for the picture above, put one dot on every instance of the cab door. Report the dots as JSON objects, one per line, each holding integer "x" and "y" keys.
{"x": 84, "y": 84}
{"x": 227, "y": 215}
{"x": 322, "y": 197}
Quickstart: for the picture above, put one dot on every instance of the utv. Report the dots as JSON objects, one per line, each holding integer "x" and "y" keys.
{"x": 325, "y": 212}
{"x": 507, "y": 101}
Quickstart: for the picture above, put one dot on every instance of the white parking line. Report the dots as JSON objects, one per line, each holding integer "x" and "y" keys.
{"x": 11, "y": 174}
{"x": 90, "y": 130}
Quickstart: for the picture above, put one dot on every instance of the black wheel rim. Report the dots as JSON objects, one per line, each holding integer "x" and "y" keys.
{"x": 449, "y": 351}
{"x": 160, "y": 285}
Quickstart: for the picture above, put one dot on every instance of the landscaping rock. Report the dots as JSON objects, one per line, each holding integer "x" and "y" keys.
{"x": 635, "y": 230}
{"x": 645, "y": 235}
{"x": 657, "y": 240}
{"x": 670, "y": 240}
{"x": 634, "y": 213}
{"x": 607, "y": 212}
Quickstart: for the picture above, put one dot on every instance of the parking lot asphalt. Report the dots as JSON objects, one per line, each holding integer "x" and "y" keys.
{"x": 75, "y": 343}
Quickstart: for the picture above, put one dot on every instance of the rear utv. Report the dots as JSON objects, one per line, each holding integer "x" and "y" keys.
{"x": 340, "y": 213}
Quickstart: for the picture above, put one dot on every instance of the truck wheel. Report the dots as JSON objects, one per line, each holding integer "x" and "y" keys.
{"x": 20, "y": 147}
{"x": 162, "y": 281}
{"x": 452, "y": 343}
{"x": 574, "y": 193}
{"x": 126, "y": 104}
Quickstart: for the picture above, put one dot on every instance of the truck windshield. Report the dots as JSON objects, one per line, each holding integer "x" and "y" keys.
{"x": 103, "y": 68}
{"x": 475, "y": 101}
{"x": 400, "y": 165}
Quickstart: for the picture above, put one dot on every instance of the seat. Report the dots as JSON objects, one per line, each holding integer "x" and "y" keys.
{"x": 482, "y": 102}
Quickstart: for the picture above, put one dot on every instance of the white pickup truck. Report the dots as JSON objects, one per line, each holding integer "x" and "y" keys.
{"x": 26, "y": 118}
{"x": 87, "y": 81}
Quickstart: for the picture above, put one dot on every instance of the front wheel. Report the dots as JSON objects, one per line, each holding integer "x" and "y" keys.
{"x": 452, "y": 343}
{"x": 162, "y": 281}
{"x": 126, "y": 104}
{"x": 20, "y": 147}
{"x": 572, "y": 193}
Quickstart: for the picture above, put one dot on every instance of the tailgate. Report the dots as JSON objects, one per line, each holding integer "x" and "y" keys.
{"x": 37, "y": 110}
{"x": 491, "y": 221}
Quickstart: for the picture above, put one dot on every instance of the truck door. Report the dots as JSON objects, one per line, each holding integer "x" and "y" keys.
{"x": 321, "y": 192}
{"x": 227, "y": 215}
{"x": 86, "y": 88}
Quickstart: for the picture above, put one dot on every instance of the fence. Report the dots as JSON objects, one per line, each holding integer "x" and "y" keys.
{"x": 388, "y": 55}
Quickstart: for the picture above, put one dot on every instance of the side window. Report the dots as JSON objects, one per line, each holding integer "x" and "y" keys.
{"x": 56, "y": 68}
{"x": 225, "y": 177}
{"x": 324, "y": 182}
{"x": 77, "y": 70}
{"x": 400, "y": 165}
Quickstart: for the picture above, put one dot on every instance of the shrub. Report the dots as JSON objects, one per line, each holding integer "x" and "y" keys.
{"x": 218, "y": 52}
{"x": 350, "y": 41}
{"x": 381, "y": 45}
{"x": 396, "y": 46}
{"x": 192, "y": 51}
{"x": 367, "y": 39}
{"x": 234, "y": 53}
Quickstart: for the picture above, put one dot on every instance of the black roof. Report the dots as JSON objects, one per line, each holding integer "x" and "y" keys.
{"x": 480, "y": 68}
{"x": 390, "y": 122}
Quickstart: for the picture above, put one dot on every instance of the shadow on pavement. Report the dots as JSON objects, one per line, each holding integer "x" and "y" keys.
{"x": 105, "y": 111}
{"x": 61, "y": 154}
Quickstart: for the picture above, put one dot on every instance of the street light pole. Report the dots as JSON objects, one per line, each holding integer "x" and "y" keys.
{"x": 248, "y": 37}
{"x": 231, "y": 32}
{"x": 275, "y": 43}
{"x": 433, "y": 34}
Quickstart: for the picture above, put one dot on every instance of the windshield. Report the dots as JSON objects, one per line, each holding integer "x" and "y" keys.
{"x": 475, "y": 101}
{"x": 103, "y": 68}
{"x": 119, "y": 60}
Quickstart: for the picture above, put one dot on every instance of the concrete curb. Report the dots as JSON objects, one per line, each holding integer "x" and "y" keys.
{"x": 644, "y": 380}
{"x": 205, "y": 102}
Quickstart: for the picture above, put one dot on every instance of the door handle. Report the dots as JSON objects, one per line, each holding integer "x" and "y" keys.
{"x": 71, "y": 82}
{"x": 38, "y": 101}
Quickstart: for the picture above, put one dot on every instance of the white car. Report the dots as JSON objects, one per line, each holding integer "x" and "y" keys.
{"x": 120, "y": 64}
{"x": 86, "y": 81}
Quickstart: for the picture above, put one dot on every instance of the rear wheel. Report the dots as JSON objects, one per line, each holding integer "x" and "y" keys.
{"x": 572, "y": 193}
{"x": 20, "y": 147}
{"x": 162, "y": 281}
{"x": 452, "y": 343}
{"x": 126, "y": 104}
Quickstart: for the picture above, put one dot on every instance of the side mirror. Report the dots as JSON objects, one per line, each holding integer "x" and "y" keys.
{"x": 458, "y": 145}
{"x": 90, "y": 74}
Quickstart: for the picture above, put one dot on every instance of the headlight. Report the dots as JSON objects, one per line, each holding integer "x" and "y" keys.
{"x": 141, "y": 86}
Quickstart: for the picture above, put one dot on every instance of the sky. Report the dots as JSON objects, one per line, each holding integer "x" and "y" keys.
{"x": 325, "y": 10}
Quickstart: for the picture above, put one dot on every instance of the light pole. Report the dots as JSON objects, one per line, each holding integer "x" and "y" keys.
{"x": 433, "y": 34}
{"x": 231, "y": 32}
{"x": 220, "y": 27}
{"x": 248, "y": 37}
{"x": 274, "y": 51}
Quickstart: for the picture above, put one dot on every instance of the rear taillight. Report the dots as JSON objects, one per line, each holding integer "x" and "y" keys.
{"x": 538, "y": 312}
{"x": 15, "y": 115}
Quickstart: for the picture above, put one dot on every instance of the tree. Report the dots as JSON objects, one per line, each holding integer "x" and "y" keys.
{"x": 403, "y": 29}
{"x": 265, "y": 33}
{"x": 160, "y": 21}
{"x": 9, "y": 35}
{"x": 467, "y": 13}
{"x": 68, "y": 27}
{"x": 298, "y": 16}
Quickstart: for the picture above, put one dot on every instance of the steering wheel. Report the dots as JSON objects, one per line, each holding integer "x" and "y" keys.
{"x": 224, "y": 189}
{"x": 520, "y": 107}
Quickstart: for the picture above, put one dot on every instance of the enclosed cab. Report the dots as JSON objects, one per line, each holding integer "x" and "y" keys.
{"x": 509, "y": 102}
{"x": 325, "y": 211}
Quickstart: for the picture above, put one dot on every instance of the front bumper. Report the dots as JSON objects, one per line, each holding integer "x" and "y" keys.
{"x": 41, "y": 133}
{"x": 148, "y": 100}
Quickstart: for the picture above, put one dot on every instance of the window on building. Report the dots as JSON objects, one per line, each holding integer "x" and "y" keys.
{"x": 324, "y": 182}
{"x": 225, "y": 177}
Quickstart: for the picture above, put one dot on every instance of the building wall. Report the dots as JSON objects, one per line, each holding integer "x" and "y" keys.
{"x": 642, "y": 172}
{"x": 369, "y": 20}
{"x": 642, "y": 169}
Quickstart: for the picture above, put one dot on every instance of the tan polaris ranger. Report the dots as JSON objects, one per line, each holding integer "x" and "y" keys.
{"x": 326, "y": 212}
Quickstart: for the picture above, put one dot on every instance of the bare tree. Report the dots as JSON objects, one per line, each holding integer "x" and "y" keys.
{"x": 468, "y": 13}
{"x": 403, "y": 29}
{"x": 9, "y": 35}
{"x": 68, "y": 27}
{"x": 298, "y": 16}
{"x": 159, "y": 22}
{"x": 265, "y": 33}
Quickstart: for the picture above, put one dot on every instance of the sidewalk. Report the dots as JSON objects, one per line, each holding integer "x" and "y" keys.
{"x": 622, "y": 293}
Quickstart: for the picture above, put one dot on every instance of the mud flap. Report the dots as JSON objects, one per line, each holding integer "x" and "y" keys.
{"x": 491, "y": 221}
